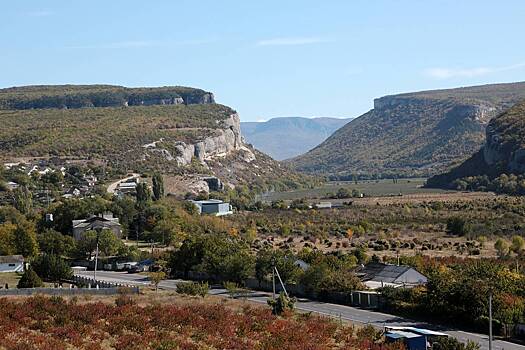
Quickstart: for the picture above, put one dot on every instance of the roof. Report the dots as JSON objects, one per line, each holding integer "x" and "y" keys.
{"x": 402, "y": 335}
{"x": 383, "y": 272}
{"x": 9, "y": 259}
{"x": 95, "y": 222}
{"x": 421, "y": 331}
{"x": 209, "y": 201}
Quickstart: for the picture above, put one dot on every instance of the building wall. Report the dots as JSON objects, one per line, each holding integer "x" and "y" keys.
{"x": 11, "y": 267}
{"x": 77, "y": 232}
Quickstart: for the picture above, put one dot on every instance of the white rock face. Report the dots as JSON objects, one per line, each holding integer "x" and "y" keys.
{"x": 228, "y": 138}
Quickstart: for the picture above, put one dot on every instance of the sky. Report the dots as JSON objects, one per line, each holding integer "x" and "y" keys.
{"x": 266, "y": 58}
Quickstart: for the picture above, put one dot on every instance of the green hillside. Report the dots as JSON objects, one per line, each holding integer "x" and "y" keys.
{"x": 414, "y": 134}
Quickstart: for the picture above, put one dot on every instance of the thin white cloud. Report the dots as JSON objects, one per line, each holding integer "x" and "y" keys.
{"x": 117, "y": 45}
{"x": 450, "y": 73}
{"x": 41, "y": 13}
{"x": 289, "y": 41}
{"x": 134, "y": 44}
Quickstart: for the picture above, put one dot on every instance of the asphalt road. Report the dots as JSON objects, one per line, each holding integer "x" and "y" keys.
{"x": 346, "y": 313}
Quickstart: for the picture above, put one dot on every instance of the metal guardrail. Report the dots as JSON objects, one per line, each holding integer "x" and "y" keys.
{"x": 67, "y": 291}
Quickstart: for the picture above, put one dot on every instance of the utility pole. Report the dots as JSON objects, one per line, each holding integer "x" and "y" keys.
{"x": 281, "y": 281}
{"x": 96, "y": 262}
{"x": 490, "y": 320}
{"x": 96, "y": 256}
{"x": 273, "y": 282}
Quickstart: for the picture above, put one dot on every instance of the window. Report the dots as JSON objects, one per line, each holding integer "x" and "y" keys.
{"x": 12, "y": 265}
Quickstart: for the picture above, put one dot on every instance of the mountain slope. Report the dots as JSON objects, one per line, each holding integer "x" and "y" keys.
{"x": 503, "y": 151}
{"x": 177, "y": 131}
{"x": 413, "y": 134}
{"x": 288, "y": 137}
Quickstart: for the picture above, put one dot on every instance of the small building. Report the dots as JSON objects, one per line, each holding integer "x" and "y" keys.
{"x": 94, "y": 223}
{"x": 12, "y": 185}
{"x": 214, "y": 207}
{"x": 323, "y": 205}
{"x": 377, "y": 275}
{"x": 413, "y": 338}
{"x": 11, "y": 263}
{"x": 128, "y": 187}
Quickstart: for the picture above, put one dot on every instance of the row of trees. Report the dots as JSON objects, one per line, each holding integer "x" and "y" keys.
{"x": 229, "y": 258}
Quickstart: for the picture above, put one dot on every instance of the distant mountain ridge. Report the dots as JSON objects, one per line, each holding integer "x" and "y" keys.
{"x": 83, "y": 96}
{"x": 287, "y": 137}
{"x": 412, "y": 134}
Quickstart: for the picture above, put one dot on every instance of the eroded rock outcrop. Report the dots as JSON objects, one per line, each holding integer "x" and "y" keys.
{"x": 225, "y": 139}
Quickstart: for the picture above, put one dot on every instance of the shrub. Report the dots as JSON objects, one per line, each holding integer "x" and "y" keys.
{"x": 458, "y": 226}
{"x": 193, "y": 288}
{"x": 282, "y": 304}
{"x": 123, "y": 300}
{"x": 30, "y": 280}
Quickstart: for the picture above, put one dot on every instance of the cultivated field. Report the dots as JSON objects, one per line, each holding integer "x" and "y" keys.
{"x": 369, "y": 188}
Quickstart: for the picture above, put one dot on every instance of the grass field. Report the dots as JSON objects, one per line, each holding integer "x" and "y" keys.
{"x": 370, "y": 188}
{"x": 9, "y": 278}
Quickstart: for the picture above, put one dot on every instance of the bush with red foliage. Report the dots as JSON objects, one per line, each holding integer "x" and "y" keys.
{"x": 54, "y": 323}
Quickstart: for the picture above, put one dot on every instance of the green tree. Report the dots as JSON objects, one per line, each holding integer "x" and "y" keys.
{"x": 25, "y": 239}
{"x": 55, "y": 243}
{"x": 156, "y": 278}
{"x": 502, "y": 247}
{"x": 190, "y": 254}
{"x": 7, "y": 239}
{"x": 108, "y": 244}
{"x": 517, "y": 245}
{"x": 458, "y": 226}
{"x": 343, "y": 193}
{"x": 228, "y": 258}
{"x": 285, "y": 261}
{"x": 30, "y": 279}
{"x": 143, "y": 194}
{"x": 23, "y": 200}
{"x": 158, "y": 186}
{"x": 52, "y": 268}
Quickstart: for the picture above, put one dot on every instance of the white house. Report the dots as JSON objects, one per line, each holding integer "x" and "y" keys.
{"x": 213, "y": 207}
{"x": 377, "y": 275}
{"x": 11, "y": 263}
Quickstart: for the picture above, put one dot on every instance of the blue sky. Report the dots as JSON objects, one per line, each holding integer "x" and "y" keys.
{"x": 266, "y": 58}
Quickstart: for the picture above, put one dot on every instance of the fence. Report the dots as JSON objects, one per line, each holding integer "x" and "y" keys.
{"x": 97, "y": 284}
{"x": 91, "y": 287}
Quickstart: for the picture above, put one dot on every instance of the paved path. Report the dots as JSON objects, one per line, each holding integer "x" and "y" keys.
{"x": 343, "y": 312}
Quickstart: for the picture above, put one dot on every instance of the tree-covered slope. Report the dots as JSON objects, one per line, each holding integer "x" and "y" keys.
{"x": 287, "y": 137}
{"x": 414, "y": 134}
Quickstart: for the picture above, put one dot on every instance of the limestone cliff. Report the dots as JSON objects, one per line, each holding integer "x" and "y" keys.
{"x": 502, "y": 152}
{"x": 88, "y": 96}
